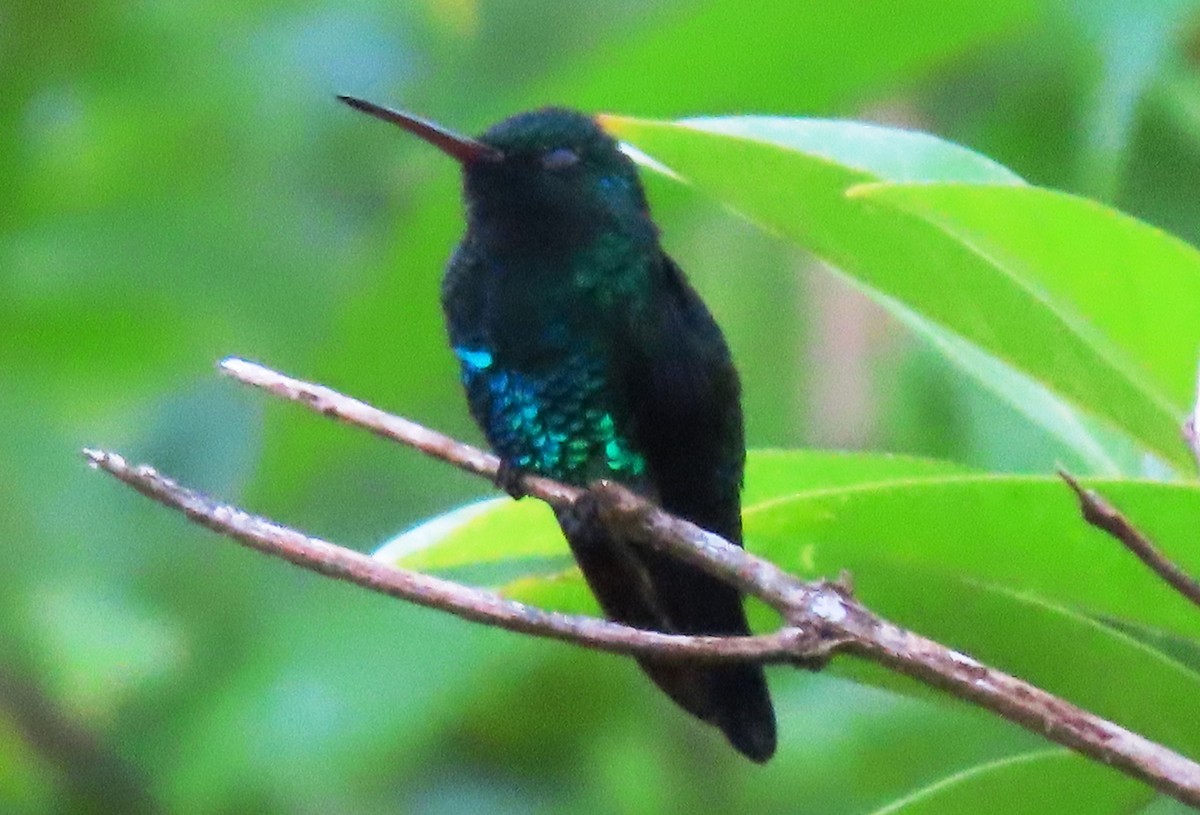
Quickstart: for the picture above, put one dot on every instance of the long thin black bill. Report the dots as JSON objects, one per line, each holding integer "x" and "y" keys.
{"x": 462, "y": 148}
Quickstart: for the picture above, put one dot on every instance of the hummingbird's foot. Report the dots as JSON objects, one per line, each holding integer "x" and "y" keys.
{"x": 508, "y": 478}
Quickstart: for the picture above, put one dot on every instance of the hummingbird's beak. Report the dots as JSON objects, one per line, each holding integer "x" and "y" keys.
{"x": 466, "y": 150}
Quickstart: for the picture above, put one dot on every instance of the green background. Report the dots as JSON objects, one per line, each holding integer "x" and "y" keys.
{"x": 180, "y": 186}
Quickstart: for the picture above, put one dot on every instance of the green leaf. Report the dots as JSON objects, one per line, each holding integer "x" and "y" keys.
{"x": 1066, "y": 652}
{"x": 1131, "y": 290}
{"x": 1004, "y": 569}
{"x": 992, "y": 587}
{"x": 1022, "y": 533}
{"x": 775, "y": 473}
{"x": 866, "y": 747}
{"x": 884, "y": 152}
{"x": 1099, "y": 450}
{"x": 1034, "y": 783}
{"x": 499, "y": 529}
{"x": 1029, "y": 298}
{"x": 1110, "y": 673}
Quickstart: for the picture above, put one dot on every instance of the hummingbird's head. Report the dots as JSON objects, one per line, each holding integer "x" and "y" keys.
{"x": 545, "y": 177}
{"x": 557, "y": 168}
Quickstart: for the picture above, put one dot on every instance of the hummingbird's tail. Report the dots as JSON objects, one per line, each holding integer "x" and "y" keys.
{"x": 744, "y": 712}
{"x": 650, "y": 591}
{"x": 733, "y": 698}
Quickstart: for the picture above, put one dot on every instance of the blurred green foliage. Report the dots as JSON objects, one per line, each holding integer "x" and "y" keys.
{"x": 181, "y": 186}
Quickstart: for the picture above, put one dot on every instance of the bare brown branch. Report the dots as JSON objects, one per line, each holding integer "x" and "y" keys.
{"x": 470, "y": 603}
{"x": 96, "y": 777}
{"x": 640, "y": 520}
{"x": 1026, "y": 705}
{"x": 766, "y": 584}
{"x": 329, "y": 402}
{"x": 851, "y": 628}
{"x": 821, "y": 617}
{"x": 1104, "y": 516}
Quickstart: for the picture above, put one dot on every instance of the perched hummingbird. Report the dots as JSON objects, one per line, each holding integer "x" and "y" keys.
{"x": 585, "y": 354}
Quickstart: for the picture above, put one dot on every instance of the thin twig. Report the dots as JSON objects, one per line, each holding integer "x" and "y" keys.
{"x": 821, "y": 617}
{"x": 768, "y": 578}
{"x": 329, "y": 402}
{"x": 473, "y": 604}
{"x": 854, "y": 629}
{"x": 94, "y": 775}
{"x": 1104, "y": 516}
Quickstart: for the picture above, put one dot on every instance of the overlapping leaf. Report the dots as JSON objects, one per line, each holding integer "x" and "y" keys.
{"x": 1089, "y": 302}
{"x": 1029, "y": 783}
{"x": 1052, "y": 301}
{"x": 999, "y": 566}
{"x": 502, "y": 530}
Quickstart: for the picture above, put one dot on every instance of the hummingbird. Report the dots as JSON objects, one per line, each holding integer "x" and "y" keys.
{"x": 585, "y": 354}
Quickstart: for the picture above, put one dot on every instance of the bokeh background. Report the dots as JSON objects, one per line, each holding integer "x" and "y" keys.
{"x": 179, "y": 185}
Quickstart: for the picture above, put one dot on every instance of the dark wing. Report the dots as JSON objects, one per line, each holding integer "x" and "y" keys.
{"x": 685, "y": 405}
{"x": 684, "y": 402}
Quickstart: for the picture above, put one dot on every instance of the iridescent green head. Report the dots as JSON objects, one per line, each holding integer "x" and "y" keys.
{"x": 549, "y": 177}
{"x": 560, "y": 174}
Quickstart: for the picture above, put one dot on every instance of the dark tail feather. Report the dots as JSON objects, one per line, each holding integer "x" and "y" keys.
{"x": 744, "y": 711}
{"x": 732, "y": 698}
{"x": 659, "y": 594}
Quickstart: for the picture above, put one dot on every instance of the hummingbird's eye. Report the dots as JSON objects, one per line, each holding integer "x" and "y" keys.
{"x": 560, "y": 158}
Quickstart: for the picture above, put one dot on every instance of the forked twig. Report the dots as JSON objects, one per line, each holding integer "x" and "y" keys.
{"x": 820, "y": 618}
{"x": 1104, "y": 516}
{"x": 470, "y": 603}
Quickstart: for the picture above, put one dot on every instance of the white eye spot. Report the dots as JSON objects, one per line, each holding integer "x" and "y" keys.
{"x": 560, "y": 158}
